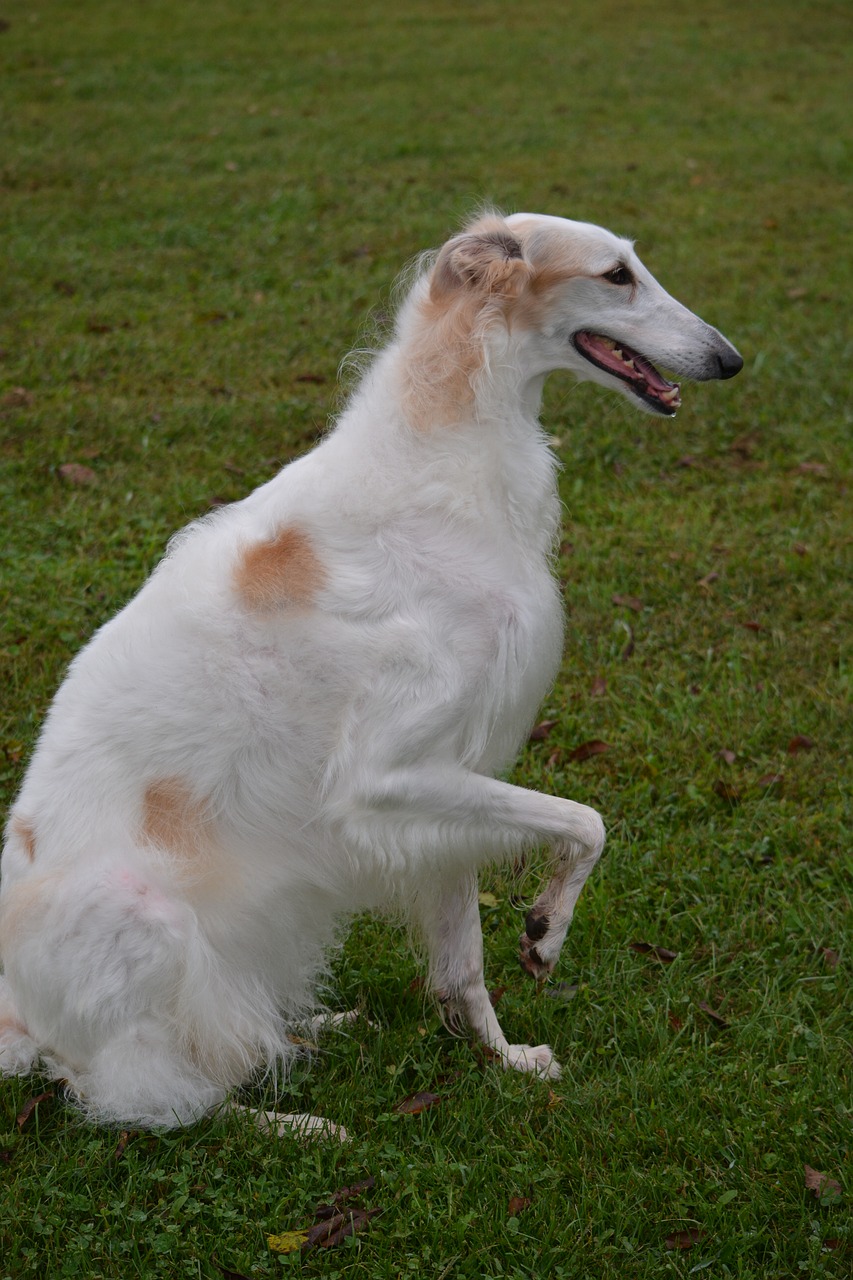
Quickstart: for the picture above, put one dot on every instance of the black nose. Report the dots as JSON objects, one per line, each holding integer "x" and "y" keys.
{"x": 730, "y": 363}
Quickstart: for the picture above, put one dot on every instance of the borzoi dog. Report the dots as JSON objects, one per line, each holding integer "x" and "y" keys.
{"x": 304, "y": 711}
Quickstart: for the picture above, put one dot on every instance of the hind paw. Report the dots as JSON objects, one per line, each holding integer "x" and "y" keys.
{"x": 539, "y": 1061}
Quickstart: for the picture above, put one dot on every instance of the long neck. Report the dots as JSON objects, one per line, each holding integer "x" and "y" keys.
{"x": 481, "y": 458}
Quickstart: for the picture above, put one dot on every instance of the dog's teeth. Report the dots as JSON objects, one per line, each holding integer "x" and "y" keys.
{"x": 629, "y": 364}
{"x": 608, "y": 343}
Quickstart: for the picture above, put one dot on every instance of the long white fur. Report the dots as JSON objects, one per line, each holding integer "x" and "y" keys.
{"x": 340, "y": 744}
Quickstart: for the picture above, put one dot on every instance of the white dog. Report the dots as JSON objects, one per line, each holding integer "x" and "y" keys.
{"x": 302, "y": 713}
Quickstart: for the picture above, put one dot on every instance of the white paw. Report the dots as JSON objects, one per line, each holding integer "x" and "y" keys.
{"x": 328, "y": 1021}
{"x": 540, "y": 1060}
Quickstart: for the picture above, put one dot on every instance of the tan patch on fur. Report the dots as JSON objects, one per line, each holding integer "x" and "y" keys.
{"x": 174, "y": 820}
{"x": 23, "y": 906}
{"x": 25, "y": 832}
{"x": 476, "y": 279}
{"x": 283, "y": 571}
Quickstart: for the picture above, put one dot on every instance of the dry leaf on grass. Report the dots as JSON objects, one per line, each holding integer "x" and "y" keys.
{"x": 685, "y": 1239}
{"x": 830, "y": 957}
{"x": 628, "y": 602}
{"x": 332, "y": 1231}
{"x": 17, "y": 398}
{"x": 727, "y": 756}
{"x": 825, "y": 1189}
{"x": 586, "y": 750}
{"x": 30, "y": 1106}
{"x": 727, "y": 791}
{"x": 76, "y": 473}
{"x": 517, "y": 1205}
{"x": 647, "y": 948}
{"x": 800, "y": 743}
{"x": 713, "y": 1014}
{"x": 416, "y": 1103}
{"x": 541, "y": 730}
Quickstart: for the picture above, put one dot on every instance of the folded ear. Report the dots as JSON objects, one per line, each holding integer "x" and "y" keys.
{"x": 487, "y": 259}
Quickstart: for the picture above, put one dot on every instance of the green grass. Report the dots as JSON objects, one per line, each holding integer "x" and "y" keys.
{"x": 201, "y": 204}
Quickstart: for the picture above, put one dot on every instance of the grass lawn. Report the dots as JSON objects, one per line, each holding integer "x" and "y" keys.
{"x": 200, "y": 206}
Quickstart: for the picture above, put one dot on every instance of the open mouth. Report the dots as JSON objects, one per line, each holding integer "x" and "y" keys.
{"x": 631, "y": 368}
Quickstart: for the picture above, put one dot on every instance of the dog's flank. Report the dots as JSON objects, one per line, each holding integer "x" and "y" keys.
{"x": 303, "y": 712}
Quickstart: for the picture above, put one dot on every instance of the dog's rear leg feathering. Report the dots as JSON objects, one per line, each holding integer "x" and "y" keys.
{"x": 305, "y": 711}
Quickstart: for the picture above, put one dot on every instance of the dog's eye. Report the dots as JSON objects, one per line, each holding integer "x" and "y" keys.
{"x": 619, "y": 275}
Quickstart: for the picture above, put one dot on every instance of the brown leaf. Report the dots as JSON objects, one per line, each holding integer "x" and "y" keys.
{"x": 355, "y": 1189}
{"x": 417, "y": 1103}
{"x": 707, "y": 580}
{"x": 830, "y": 957}
{"x": 76, "y": 473}
{"x": 726, "y": 792}
{"x": 743, "y": 447}
{"x": 517, "y": 1205}
{"x": 496, "y": 995}
{"x": 674, "y": 1021}
{"x": 813, "y": 469}
{"x": 646, "y": 948}
{"x": 629, "y": 647}
{"x": 713, "y": 1014}
{"x": 123, "y": 1139}
{"x": 541, "y": 730}
{"x": 752, "y": 625}
{"x": 17, "y": 398}
{"x": 628, "y": 602}
{"x": 318, "y": 378}
{"x": 417, "y": 983}
{"x": 554, "y": 759}
{"x": 327, "y": 1234}
{"x": 824, "y": 1187}
{"x": 728, "y": 756}
{"x": 685, "y": 1239}
{"x": 595, "y": 747}
{"x": 771, "y": 780}
{"x": 800, "y": 743}
{"x": 833, "y": 1243}
{"x": 800, "y": 549}
{"x": 598, "y": 688}
{"x": 29, "y": 1107}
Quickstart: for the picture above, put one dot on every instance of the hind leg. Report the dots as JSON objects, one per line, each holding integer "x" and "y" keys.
{"x": 449, "y": 919}
{"x": 97, "y": 967}
{"x": 18, "y": 1050}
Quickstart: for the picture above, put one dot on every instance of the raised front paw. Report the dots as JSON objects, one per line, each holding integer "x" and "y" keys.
{"x": 539, "y": 1060}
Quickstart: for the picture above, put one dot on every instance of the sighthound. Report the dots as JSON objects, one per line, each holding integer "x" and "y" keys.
{"x": 303, "y": 712}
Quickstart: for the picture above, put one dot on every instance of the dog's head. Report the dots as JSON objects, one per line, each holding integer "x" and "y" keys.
{"x": 578, "y": 298}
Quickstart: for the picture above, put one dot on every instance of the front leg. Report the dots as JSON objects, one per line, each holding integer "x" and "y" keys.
{"x": 448, "y": 918}
{"x": 549, "y": 918}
